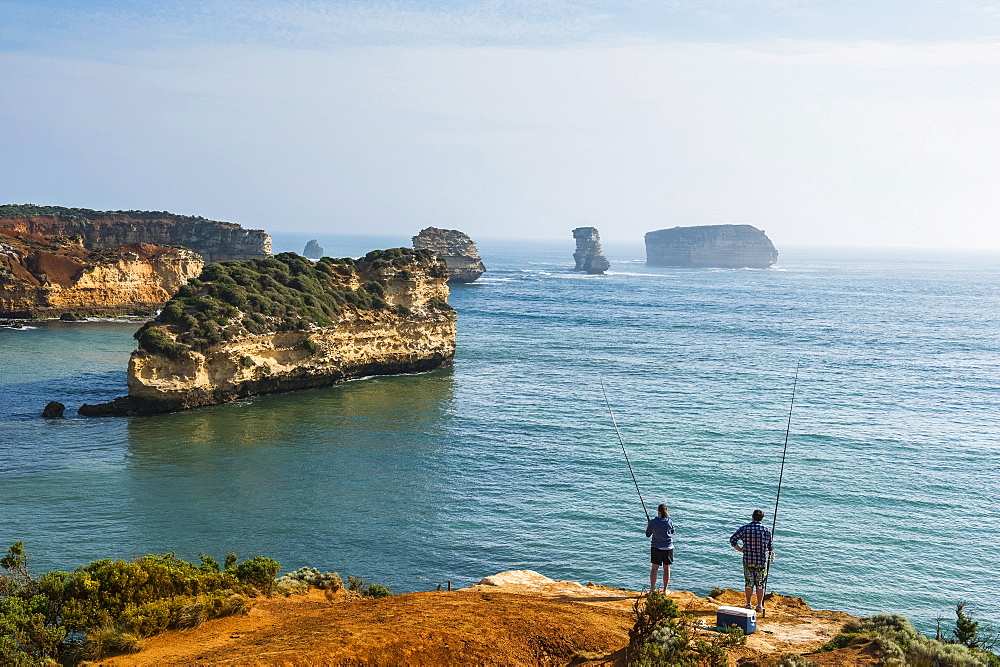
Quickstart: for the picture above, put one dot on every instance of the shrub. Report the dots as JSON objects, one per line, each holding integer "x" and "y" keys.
{"x": 900, "y": 644}
{"x": 258, "y": 572}
{"x": 155, "y": 340}
{"x": 932, "y": 653}
{"x": 356, "y": 584}
{"x": 650, "y": 610}
{"x": 108, "y": 606}
{"x": 377, "y": 591}
{"x": 308, "y": 577}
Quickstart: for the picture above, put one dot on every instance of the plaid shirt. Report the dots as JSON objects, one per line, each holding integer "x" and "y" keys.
{"x": 756, "y": 543}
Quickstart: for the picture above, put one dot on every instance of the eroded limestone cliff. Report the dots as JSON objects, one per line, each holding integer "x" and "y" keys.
{"x": 285, "y": 323}
{"x": 723, "y": 246}
{"x": 50, "y": 277}
{"x": 456, "y": 249}
{"x": 588, "y": 251}
{"x": 214, "y": 241}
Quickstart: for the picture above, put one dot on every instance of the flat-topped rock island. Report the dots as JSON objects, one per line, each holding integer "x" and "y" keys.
{"x": 719, "y": 246}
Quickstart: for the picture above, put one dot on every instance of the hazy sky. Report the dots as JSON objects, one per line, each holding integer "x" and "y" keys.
{"x": 837, "y": 122}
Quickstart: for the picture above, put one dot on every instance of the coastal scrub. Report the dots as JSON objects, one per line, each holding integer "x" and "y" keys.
{"x": 900, "y": 644}
{"x": 286, "y": 292}
{"x": 109, "y": 606}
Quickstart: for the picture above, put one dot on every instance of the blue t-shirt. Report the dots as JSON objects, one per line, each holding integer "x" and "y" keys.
{"x": 660, "y": 529}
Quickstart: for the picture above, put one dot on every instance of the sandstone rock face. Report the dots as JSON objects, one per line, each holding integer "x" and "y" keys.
{"x": 214, "y": 241}
{"x": 588, "y": 251}
{"x": 393, "y": 318}
{"x": 313, "y": 250}
{"x": 723, "y": 246}
{"x": 456, "y": 249}
{"x": 51, "y": 277}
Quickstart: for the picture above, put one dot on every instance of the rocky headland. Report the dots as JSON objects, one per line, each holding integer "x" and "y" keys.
{"x": 532, "y": 620}
{"x": 285, "y": 323}
{"x": 456, "y": 249}
{"x": 721, "y": 246}
{"x": 214, "y": 241}
{"x": 58, "y": 277}
{"x": 588, "y": 251}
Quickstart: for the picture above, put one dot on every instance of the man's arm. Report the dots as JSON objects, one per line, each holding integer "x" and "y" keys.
{"x": 734, "y": 540}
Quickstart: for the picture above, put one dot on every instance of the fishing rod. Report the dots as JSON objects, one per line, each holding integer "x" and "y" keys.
{"x": 622, "y": 443}
{"x": 781, "y": 474}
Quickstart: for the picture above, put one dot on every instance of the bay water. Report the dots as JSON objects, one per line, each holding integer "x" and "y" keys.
{"x": 508, "y": 459}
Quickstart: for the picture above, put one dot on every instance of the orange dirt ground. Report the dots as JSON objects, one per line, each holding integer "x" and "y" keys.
{"x": 513, "y": 618}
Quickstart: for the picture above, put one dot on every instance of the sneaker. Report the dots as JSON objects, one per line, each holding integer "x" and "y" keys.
{"x": 759, "y": 609}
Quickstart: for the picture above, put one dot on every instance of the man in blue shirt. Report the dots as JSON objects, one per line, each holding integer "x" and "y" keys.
{"x": 757, "y": 550}
{"x": 661, "y": 548}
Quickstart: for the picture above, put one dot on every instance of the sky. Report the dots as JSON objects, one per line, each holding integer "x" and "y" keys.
{"x": 844, "y": 123}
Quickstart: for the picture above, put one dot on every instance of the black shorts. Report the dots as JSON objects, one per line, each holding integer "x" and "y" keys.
{"x": 661, "y": 556}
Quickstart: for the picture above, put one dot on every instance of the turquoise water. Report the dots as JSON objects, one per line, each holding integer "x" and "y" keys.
{"x": 508, "y": 459}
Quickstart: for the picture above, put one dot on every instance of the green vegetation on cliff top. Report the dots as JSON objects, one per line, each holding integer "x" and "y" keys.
{"x": 110, "y": 606}
{"x": 26, "y": 210}
{"x": 286, "y": 292}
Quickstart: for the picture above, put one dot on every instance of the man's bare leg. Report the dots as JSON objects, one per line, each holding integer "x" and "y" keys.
{"x": 749, "y": 592}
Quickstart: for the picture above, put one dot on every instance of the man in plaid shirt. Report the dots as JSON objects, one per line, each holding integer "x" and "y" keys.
{"x": 756, "y": 550}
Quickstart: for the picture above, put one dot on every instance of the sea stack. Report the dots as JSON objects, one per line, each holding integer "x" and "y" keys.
{"x": 280, "y": 324}
{"x": 45, "y": 276}
{"x": 588, "y": 251}
{"x": 313, "y": 250}
{"x": 456, "y": 249}
{"x": 214, "y": 241}
{"x": 721, "y": 246}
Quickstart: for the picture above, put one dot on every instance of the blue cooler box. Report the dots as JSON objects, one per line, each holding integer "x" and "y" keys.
{"x": 745, "y": 619}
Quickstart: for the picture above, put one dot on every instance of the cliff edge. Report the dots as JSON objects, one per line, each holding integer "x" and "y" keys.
{"x": 284, "y": 323}
{"x": 456, "y": 249}
{"x": 588, "y": 251}
{"x": 720, "y": 246}
{"x": 214, "y": 241}
{"x": 51, "y": 276}
{"x": 533, "y": 620}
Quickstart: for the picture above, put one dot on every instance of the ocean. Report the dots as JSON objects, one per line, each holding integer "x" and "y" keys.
{"x": 508, "y": 459}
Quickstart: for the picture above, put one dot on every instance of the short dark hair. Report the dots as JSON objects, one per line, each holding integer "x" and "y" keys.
{"x": 758, "y": 515}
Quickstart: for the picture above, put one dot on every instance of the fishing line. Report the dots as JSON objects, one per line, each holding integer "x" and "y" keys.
{"x": 622, "y": 443}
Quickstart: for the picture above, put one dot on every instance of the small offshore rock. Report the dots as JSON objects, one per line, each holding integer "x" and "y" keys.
{"x": 68, "y": 317}
{"x": 54, "y": 410}
{"x": 313, "y": 250}
{"x": 588, "y": 251}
